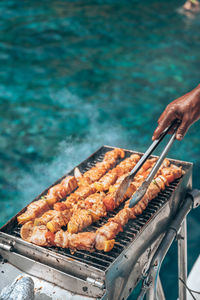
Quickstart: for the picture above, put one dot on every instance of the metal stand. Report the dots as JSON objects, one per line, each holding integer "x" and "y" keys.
{"x": 182, "y": 259}
{"x": 152, "y": 286}
{"x": 160, "y": 293}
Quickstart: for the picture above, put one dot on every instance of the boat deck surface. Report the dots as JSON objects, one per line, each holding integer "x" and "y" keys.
{"x": 43, "y": 289}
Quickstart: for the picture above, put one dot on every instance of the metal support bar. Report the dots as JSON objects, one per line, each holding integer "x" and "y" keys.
{"x": 160, "y": 291}
{"x": 151, "y": 281}
{"x": 182, "y": 259}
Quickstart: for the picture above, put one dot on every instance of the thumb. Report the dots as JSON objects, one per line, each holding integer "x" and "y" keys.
{"x": 169, "y": 116}
{"x": 183, "y": 128}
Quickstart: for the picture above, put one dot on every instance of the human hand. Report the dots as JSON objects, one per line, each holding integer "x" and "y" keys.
{"x": 185, "y": 108}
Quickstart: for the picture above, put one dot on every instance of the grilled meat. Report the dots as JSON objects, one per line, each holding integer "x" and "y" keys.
{"x": 34, "y": 234}
{"x": 86, "y": 205}
{"x": 34, "y": 209}
{"x": 96, "y": 172}
{"x": 93, "y": 211}
{"x": 55, "y": 193}
{"x": 104, "y": 237}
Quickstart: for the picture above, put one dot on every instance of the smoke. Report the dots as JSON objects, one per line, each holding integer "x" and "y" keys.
{"x": 70, "y": 151}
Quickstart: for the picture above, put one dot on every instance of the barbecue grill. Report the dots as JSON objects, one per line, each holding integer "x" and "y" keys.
{"x": 111, "y": 275}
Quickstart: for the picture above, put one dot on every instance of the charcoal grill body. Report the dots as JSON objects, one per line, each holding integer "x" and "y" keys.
{"x": 101, "y": 275}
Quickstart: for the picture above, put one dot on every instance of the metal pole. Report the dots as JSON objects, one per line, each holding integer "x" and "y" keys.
{"x": 160, "y": 292}
{"x": 153, "y": 294}
{"x": 150, "y": 284}
{"x": 150, "y": 294}
{"x": 182, "y": 259}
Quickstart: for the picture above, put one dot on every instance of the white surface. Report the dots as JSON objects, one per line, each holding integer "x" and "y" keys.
{"x": 43, "y": 289}
{"x": 193, "y": 281}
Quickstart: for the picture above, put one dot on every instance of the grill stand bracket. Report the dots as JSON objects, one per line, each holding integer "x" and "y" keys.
{"x": 152, "y": 285}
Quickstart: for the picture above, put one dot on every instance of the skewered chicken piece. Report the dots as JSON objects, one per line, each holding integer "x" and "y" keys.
{"x": 96, "y": 172}
{"x": 177, "y": 172}
{"x": 55, "y": 193}
{"x": 54, "y": 220}
{"x": 34, "y": 234}
{"x": 93, "y": 211}
{"x": 114, "y": 154}
{"x": 59, "y": 220}
{"x": 45, "y": 218}
{"x": 76, "y": 241}
{"x": 109, "y": 200}
{"x": 109, "y": 178}
{"x": 59, "y": 191}
{"x": 127, "y": 164}
{"x": 81, "y": 193}
{"x": 80, "y": 219}
{"x": 33, "y": 210}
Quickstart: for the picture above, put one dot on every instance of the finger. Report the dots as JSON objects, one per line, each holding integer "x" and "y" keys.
{"x": 166, "y": 121}
{"x": 162, "y": 115}
{"x": 183, "y": 128}
{"x": 171, "y": 131}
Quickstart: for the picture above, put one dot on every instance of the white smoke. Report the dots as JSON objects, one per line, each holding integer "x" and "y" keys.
{"x": 70, "y": 152}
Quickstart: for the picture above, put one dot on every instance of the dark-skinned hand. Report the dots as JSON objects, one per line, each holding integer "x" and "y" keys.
{"x": 185, "y": 108}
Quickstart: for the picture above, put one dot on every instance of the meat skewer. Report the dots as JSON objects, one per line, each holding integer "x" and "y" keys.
{"x": 96, "y": 172}
{"x": 55, "y": 193}
{"x": 66, "y": 186}
{"x": 106, "y": 234}
{"x": 88, "y": 211}
{"x": 104, "y": 183}
{"x": 83, "y": 213}
{"x": 103, "y": 238}
{"x": 93, "y": 208}
{"x": 109, "y": 178}
{"x": 93, "y": 211}
{"x": 109, "y": 200}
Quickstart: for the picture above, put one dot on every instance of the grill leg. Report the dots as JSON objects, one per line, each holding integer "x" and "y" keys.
{"x": 150, "y": 293}
{"x": 158, "y": 294}
{"x": 182, "y": 259}
{"x": 153, "y": 272}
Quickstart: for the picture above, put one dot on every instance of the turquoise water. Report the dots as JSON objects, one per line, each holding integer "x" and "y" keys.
{"x": 78, "y": 74}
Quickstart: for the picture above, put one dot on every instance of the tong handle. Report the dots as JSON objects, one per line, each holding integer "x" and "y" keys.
{"x": 151, "y": 149}
{"x": 161, "y": 158}
{"x": 143, "y": 188}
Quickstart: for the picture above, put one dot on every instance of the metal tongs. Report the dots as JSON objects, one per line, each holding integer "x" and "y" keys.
{"x": 139, "y": 194}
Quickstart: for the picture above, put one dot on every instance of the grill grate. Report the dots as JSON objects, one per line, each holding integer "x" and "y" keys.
{"x": 100, "y": 259}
